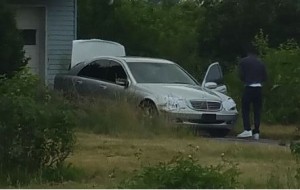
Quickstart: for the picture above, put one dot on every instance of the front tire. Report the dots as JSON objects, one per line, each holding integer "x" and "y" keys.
{"x": 149, "y": 109}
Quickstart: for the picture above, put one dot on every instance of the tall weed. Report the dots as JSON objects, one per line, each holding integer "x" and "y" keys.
{"x": 120, "y": 117}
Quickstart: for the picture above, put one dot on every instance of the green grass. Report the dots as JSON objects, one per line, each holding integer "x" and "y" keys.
{"x": 106, "y": 161}
{"x": 109, "y": 149}
{"x": 275, "y": 132}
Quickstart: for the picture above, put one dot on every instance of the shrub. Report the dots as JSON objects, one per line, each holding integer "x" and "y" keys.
{"x": 65, "y": 172}
{"x": 182, "y": 172}
{"x": 281, "y": 94}
{"x": 36, "y": 128}
{"x": 11, "y": 46}
{"x": 295, "y": 150}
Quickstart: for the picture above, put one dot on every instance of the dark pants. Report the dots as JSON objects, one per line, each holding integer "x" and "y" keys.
{"x": 252, "y": 95}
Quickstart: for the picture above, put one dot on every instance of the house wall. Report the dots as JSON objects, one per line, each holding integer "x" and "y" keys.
{"x": 61, "y": 31}
{"x": 61, "y": 16}
{"x": 31, "y": 23}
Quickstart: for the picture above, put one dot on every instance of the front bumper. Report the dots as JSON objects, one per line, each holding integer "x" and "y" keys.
{"x": 204, "y": 120}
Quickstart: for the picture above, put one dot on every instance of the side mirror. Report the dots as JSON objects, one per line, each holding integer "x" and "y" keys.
{"x": 211, "y": 85}
{"x": 122, "y": 82}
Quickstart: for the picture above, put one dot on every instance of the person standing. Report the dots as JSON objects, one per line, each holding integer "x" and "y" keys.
{"x": 252, "y": 73}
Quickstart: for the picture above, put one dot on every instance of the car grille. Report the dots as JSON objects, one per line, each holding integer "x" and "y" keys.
{"x": 205, "y": 105}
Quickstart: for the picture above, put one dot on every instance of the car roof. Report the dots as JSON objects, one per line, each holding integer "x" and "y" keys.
{"x": 145, "y": 59}
{"x": 137, "y": 59}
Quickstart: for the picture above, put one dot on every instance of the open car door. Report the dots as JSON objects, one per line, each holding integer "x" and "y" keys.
{"x": 214, "y": 78}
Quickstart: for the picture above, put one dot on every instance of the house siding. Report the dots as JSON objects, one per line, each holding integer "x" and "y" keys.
{"x": 61, "y": 30}
{"x": 61, "y": 16}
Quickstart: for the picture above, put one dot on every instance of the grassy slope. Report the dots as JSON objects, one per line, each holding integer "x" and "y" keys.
{"x": 107, "y": 160}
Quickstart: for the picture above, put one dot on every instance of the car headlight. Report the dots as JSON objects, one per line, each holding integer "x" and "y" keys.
{"x": 172, "y": 103}
{"x": 229, "y": 105}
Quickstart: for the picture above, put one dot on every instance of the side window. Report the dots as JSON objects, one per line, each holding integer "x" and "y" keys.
{"x": 97, "y": 70}
{"x": 115, "y": 71}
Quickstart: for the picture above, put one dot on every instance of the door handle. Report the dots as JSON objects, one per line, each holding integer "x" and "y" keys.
{"x": 102, "y": 86}
{"x": 79, "y": 82}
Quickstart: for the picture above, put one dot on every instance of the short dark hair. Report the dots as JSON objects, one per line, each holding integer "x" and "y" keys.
{"x": 251, "y": 49}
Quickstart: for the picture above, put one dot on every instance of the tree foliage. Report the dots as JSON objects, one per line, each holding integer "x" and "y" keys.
{"x": 229, "y": 25}
{"x": 192, "y": 33}
{"x": 165, "y": 30}
{"x": 195, "y": 33}
{"x": 11, "y": 46}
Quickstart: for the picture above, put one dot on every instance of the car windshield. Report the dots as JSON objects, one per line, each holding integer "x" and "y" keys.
{"x": 147, "y": 72}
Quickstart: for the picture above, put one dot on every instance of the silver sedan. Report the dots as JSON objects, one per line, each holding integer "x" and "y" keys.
{"x": 159, "y": 86}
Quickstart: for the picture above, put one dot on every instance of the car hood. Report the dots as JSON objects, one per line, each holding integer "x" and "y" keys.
{"x": 184, "y": 91}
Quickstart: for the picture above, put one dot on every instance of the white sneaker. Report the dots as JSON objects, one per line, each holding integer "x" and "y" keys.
{"x": 256, "y": 136}
{"x": 245, "y": 134}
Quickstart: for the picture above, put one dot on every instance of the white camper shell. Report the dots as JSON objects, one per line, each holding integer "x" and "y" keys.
{"x": 87, "y": 49}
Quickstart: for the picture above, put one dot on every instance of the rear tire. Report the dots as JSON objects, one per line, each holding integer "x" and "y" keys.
{"x": 218, "y": 132}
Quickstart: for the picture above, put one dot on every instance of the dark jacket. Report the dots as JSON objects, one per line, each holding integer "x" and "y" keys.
{"x": 252, "y": 70}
